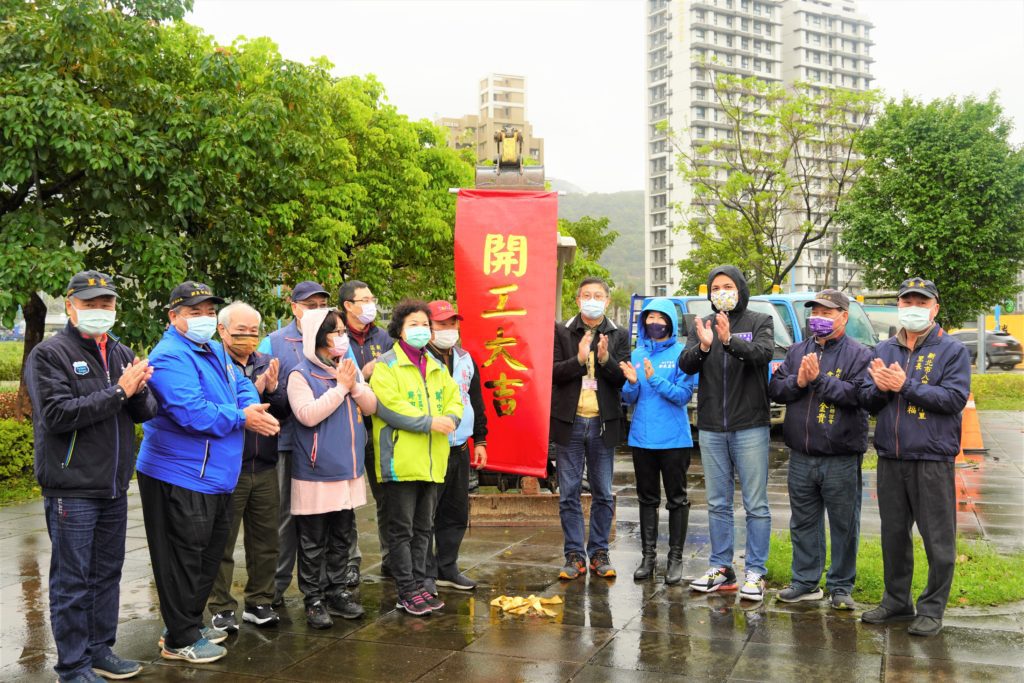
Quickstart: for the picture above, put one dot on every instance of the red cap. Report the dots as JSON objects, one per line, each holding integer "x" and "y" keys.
{"x": 442, "y": 310}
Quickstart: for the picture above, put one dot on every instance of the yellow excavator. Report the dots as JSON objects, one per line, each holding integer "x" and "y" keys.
{"x": 509, "y": 172}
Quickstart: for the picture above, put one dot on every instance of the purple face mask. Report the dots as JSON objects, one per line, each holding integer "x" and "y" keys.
{"x": 819, "y": 326}
{"x": 656, "y": 330}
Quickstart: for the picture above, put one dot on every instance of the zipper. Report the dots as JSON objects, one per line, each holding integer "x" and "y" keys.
{"x": 430, "y": 434}
{"x": 71, "y": 450}
{"x": 312, "y": 453}
{"x": 206, "y": 457}
{"x": 899, "y": 407}
{"x": 352, "y": 434}
{"x": 725, "y": 390}
{"x": 117, "y": 422}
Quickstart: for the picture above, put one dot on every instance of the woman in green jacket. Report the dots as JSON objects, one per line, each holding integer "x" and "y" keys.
{"x": 418, "y": 404}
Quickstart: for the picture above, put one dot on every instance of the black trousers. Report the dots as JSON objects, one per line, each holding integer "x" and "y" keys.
{"x": 921, "y": 492}
{"x": 451, "y": 517}
{"x": 411, "y": 507}
{"x": 323, "y": 552}
{"x": 668, "y": 465}
{"x": 379, "y": 497}
{"x": 186, "y": 531}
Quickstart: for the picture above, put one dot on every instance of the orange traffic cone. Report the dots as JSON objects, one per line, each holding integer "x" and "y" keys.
{"x": 970, "y": 432}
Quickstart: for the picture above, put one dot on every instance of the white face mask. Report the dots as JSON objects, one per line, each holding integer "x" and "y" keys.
{"x": 725, "y": 300}
{"x": 445, "y": 339}
{"x": 368, "y": 315}
{"x": 95, "y": 321}
{"x": 340, "y": 348}
{"x": 915, "y": 318}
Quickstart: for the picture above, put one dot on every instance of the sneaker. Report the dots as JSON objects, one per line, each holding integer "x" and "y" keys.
{"x": 414, "y": 604}
{"x": 261, "y": 615}
{"x": 753, "y": 587}
{"x": 601, "y": 566}
{"x": 225, "y": 621}
{"x": 883, "y": 615}
{"x": 317, "y": 616}
{"x": 430, "y": 585}
{"x": 200, "y": 652}
{"x": 714, "y": 580}
{"x": 842, "y": 600}
{"x": 575, "y": 566}
{"x": 798, "y": 594}
{"x": 351, "y": 577}
{"x": 342, "y": 605}
{"x": 214, "y": 635}
{"x": 433, "y": 602}
{"x": 458, "y": 581}
{"x": 115, "y": 668}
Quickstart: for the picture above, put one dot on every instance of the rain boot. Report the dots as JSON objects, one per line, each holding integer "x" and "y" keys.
{"x": 648, "y": 542}
{"x": 678, "y": 520}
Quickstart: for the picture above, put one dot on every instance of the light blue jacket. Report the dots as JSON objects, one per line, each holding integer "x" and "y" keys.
{"x": 659, "y": 419}
{"x": 195, "y": 441}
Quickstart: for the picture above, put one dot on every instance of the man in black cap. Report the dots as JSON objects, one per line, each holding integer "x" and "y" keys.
{"x": 920, "y": 380}
{"x": 826, "y": 430}
{"x": 87, "y": 391}
{"x": 189, "y": 464}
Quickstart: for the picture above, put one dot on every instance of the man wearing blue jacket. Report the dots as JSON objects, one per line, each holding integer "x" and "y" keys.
{"x": 189, "y": 464}
{"x": 659, "y": 433}
{"x": 826, "y": 430}
{"x": 920, "y": 382}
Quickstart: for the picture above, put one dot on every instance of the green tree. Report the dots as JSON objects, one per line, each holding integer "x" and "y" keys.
{"x": 768, "y": 171}
{"x": 941, "y": 197}
{"x": 592, "y": 238}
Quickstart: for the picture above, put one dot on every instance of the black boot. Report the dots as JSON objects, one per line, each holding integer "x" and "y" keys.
{"x": 648, "y": 542}
{"x": 678, "y": 520}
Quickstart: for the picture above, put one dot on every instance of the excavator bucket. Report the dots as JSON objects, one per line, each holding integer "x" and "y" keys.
{"x": 515, "y": 178}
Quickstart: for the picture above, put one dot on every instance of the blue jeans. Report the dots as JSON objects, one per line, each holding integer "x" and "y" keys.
{"x": 87, "y": 535}
{"x": 816, "y": 485}
{"x": 587, "y": 445}
{"x": 724, "y": 454}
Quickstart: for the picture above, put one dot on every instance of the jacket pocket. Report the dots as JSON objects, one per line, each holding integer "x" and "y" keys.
{"x": 206, "y": 458}
{"x": 71, "y": 451}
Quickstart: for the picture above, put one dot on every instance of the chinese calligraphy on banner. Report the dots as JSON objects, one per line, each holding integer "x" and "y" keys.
{"x": 505, "y": 269}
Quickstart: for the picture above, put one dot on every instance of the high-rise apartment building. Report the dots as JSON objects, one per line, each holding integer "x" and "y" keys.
{"x": 783, "y": 41}
{"x": 502, "y": 103}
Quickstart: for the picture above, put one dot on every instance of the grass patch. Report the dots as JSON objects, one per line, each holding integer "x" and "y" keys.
{"x": 998, "y": 391}
{"x": 11, "y": 351}
{"x": 983, "y": 576}
{"x": 19, "y": 489}
{"x": 870, "y": 462}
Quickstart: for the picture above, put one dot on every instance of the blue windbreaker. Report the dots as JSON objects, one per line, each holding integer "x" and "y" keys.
{"x": 659, "y": 420}
{"x": 195, "y": 441}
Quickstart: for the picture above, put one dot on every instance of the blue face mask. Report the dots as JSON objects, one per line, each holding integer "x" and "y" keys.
{"x": 417, "y": 337}
{"x": 592, "y": 309}
{"x": 201, "y": 328}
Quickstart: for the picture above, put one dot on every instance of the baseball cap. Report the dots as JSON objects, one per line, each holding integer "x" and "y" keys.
{"x": 190, "y": 293}
{"x": 830, "y": 298}
{"x": 306, "y": 289}
{"x": 919, "y": 286}
{"x": 442, "y": 310}
{"x": 89, "y": 284}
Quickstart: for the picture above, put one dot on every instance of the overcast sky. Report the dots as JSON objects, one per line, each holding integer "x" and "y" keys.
{"x": 584, "y": 60}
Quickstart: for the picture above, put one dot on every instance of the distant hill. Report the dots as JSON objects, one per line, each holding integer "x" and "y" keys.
{"x": 559, "y": 185}
{"x": 625, "y": 213}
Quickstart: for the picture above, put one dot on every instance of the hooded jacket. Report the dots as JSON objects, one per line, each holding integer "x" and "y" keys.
{"x": 922, "y": 421}
{"x": 195, "y": 441}
{"x": 83, "y": 425}
{"x": 732, "y": 392}
{"x": 332, "y": 448}
{"x": 825, "y": 417}
{"x": 659, "y": 420}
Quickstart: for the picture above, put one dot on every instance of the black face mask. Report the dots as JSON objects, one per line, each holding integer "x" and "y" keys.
{"x": 655, "y": 330}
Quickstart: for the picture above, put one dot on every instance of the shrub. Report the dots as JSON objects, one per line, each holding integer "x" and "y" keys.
{"x": 16, "y": 456}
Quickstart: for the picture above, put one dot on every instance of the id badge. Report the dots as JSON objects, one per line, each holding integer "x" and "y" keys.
{"x": 590, "y": 383}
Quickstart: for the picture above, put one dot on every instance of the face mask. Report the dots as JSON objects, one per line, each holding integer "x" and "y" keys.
{"x": 915, "y": 318}
{"x": 417, "y": 337}
{"x": 95, "y": 321}
{"x": 725, "y": 299}
{"x": 243, "y": 344}
{"x": 592, "y": 308}
{"x": 340, "y": 348}
{"x": 368, "y": 315}
{"x": 445, "y": 339}
{"x": 201, "y": 328}
{"x": 656, "y": 330}
{"x": 820, "y": 326}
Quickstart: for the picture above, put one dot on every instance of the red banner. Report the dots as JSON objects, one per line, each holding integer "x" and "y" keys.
{"x": 506, "y": 262}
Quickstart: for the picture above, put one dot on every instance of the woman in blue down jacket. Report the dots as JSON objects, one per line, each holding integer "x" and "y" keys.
{"x": 660, "y": 433}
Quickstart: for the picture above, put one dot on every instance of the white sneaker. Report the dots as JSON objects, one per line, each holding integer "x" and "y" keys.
{"x": 753, "y": 587}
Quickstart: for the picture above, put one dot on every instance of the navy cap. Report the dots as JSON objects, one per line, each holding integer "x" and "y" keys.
{"x": 306, "y": 289}
{"x": 917, "y": 285}
{"x": 90, "y": 284}
{"x": 190, "y": 293}
{"x": 830, "y": 298}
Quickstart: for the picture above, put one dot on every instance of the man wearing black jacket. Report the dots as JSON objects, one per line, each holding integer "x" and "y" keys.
{"x": 826, "y": 430}
{"x": 731, "y": 349}
{"x": 255, "y": 500}
{"x": 586, "y": 414}
{"x": 87, "y": 392}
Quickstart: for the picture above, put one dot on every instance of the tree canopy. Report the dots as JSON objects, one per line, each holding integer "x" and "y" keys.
{"x": 592, "y": 238}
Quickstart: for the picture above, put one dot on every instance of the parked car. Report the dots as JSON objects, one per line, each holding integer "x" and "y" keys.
{"x": 884, "y": 319}
{"x": 1001, "y": 349}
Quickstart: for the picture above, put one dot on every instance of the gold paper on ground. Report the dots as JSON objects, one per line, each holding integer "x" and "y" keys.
{"x": 530, "y": 605}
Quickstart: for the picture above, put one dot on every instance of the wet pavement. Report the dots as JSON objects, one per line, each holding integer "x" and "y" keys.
{"x": 606, "y": 630}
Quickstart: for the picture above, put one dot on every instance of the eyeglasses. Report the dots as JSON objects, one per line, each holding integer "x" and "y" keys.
{"x": 365, "y": 300}
{"x": 595, "y": 297}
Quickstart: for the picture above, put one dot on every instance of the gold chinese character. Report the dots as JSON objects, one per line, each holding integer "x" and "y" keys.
{"x": 504, "y": 403}
{"x": 507, "y": 255}
{"x": 502, "y": 294}
{"x": 498, "y": 349}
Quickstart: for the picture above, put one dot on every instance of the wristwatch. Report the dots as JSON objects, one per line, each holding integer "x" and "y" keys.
{"x": 727, "y": 341}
